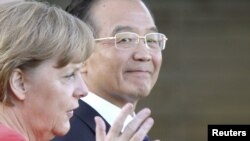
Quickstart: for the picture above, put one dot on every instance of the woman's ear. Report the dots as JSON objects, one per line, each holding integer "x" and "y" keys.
{"x": 84, "y": 67}
{"x": 17, "y": 84}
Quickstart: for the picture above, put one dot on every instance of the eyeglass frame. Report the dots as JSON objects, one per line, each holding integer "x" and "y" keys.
{"x": 138, "y": 37}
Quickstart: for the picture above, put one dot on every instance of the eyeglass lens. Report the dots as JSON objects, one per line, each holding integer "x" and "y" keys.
{"x": 155, "y": 41}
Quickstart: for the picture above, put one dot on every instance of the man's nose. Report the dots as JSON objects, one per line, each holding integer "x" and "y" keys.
{"x": 142, "y": 52}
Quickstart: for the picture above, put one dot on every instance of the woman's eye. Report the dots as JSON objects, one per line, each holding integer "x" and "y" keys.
{"x": 72, "y": 75}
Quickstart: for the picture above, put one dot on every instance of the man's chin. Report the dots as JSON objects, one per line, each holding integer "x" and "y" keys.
{"x": 141, "y": 92}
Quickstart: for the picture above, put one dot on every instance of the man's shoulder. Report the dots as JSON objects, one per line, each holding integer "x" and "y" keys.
{"x": 85, "y": 111}
{"x": 82, "y": 124}
{"x": 78, "y": 132}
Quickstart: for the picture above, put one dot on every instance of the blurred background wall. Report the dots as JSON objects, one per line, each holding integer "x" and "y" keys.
{"x": 205, "y": 76}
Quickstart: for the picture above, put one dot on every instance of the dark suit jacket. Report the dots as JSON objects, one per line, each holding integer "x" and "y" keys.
{"x": 82, "y": 124}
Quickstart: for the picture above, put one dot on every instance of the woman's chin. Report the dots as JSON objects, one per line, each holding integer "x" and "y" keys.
{"x": 62, "y": 130}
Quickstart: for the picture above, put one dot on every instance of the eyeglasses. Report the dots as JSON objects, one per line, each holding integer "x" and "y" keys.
{"x": 126, "y": 40}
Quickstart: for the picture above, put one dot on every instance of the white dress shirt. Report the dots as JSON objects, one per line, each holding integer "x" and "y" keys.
{"x": 106, "y": 109}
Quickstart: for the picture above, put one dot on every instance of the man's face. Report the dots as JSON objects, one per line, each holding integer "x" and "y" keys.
{"x": 122, "y": 75}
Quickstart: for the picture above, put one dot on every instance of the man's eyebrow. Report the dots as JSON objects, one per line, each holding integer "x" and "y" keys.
{"x": 128, "y": 28}
{"x": 121, "y": 28}
{"x": 153, "y": 29}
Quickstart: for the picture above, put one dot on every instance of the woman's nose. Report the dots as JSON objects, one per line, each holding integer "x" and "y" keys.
{"x": 81, "y": 89}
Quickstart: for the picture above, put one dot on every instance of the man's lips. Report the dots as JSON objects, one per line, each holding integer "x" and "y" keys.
{"x": 145, "y": 71}
{"x": 138, "y": 72}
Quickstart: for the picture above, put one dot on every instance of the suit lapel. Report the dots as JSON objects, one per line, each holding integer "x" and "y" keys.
{"x": 87, "y": 114}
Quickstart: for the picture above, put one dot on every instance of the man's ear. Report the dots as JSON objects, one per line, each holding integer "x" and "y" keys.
{"x": 17, "y": 84}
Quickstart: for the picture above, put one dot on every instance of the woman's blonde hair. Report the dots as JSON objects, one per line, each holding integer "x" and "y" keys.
{"x": 31, "y": 32}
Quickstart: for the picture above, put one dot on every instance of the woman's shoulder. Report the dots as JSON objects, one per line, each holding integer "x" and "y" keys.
{"x": 7, "y": 134}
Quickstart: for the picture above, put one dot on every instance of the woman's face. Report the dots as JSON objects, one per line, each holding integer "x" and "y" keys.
{"x": 52, "y": 95}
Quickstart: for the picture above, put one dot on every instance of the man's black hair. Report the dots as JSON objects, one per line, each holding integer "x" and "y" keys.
{"x": 81, "y": 9}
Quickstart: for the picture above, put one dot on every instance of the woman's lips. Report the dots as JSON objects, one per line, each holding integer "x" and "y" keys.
{"x": 70, "y": 113}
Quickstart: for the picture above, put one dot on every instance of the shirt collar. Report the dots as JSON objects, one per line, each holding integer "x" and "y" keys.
{"x": 106, "y": 109}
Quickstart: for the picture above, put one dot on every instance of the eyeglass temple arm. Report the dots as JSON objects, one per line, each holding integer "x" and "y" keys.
{"x": 106, "y": 38}
{"x": 143, "y": 37}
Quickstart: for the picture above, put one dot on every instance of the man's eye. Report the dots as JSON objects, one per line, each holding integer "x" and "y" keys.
{"x": 152, "y": 41}
{"x": 124, "y": 40}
